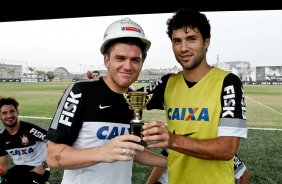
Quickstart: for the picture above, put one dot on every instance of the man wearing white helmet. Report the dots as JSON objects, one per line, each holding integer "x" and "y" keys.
{"x": 89, "y": 134}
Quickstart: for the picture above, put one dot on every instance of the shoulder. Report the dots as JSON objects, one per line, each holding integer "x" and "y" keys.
{"x": 84, "y": 87}
{"x": 217, "y": 74}
{"x": 164, "y": 79}
{"x": 2, "y": 134}
{"x": 29, "y": 125}
{"x": 89, "y": 83}
{"x": 156, "y": 85}
{"x": 172, "y": 75}
{"x": 232, "y": 79}
{"x": 25, "y": 124}
{"x": 229, "y": 79}
{"x": 86, "y": 82}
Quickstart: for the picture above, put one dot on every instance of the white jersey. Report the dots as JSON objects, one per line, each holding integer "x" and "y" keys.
{"x": 27, "y": 147}
{"x": 90, "y": 115}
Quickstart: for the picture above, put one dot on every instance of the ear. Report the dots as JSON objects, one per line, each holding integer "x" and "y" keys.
{"x": 106, "y": 60}
{"x": 207, "y": 43}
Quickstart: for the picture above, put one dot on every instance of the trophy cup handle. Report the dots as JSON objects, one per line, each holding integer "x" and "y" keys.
{"x": 127, "y": 99}
{"x": 147, "y": 99}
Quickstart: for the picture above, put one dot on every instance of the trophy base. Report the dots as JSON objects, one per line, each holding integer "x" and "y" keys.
{"x": 136, "y": 128}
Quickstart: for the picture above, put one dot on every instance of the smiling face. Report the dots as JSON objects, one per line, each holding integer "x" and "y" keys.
{"x": 124, "y": 63}
{"x": 9, "y": 116}
{"x": 189, "y": 47}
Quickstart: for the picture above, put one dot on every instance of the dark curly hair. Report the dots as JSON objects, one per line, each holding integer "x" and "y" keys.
{"x": 9, "y": 101}
{"x": 189, "y": 18}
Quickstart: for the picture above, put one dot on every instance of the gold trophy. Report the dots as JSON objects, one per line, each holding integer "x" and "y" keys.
{"x": 137, "y": 101}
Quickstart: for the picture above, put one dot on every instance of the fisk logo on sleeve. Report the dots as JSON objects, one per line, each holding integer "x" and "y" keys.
{"x": 69, "y": 108}
{"x": 37, "y": 133}
{"x": 229, "y": 101}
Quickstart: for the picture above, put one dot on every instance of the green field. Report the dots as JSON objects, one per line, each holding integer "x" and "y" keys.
{"x": 261, "y": 151}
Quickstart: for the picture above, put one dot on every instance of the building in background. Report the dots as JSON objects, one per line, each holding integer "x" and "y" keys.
{"x": 269, "y": 74}
{"x": 243, "y": 69}
{"x": 10, "y": 71}
{"x": 240, "y": 68}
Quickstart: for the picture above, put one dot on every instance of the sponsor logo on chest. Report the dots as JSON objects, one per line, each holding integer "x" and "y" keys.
{"x": 109, "y": 132}
{"x": 188, "y": 114}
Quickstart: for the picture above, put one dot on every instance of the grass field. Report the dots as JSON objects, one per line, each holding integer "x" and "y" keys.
{"x": 261, "y": 151}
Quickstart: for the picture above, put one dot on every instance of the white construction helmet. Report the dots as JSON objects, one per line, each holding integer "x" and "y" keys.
{"x": 124, "y": 28}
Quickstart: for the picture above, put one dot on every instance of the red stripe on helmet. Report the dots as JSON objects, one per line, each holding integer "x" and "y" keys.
{"x": 131, "y": 29}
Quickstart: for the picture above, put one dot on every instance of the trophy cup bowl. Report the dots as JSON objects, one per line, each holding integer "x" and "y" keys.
{"x": 137, "y": 101}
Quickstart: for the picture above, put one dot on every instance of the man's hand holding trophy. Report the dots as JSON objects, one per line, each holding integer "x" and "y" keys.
{"x": 137, "y": 101}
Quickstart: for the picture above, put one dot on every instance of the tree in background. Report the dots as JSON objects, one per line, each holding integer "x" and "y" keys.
{"x": 50, "y": 75}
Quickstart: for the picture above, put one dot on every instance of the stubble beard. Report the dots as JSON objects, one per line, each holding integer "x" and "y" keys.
{"x": 11, "y": 125}
{"x": 194, "y": 63}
